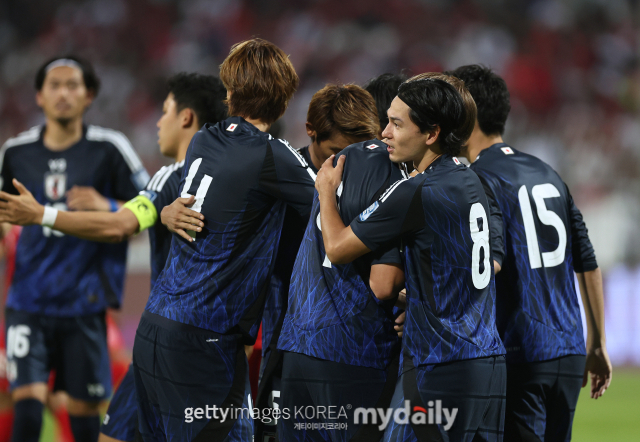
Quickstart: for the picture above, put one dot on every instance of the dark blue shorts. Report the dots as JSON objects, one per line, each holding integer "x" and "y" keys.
{"x": 311, "y": 386}
{"x": 121, "y": 420}
{"x": 191, "y": 384}
{"x": 76, "y": 348}
{"x": 430, "y": 396}
{"x": 542, "y": 398}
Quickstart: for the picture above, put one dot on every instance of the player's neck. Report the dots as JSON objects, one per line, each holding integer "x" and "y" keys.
{"x": 479, "y": 141}
{"x": 259, "y": 124}
{"x": 59, "y": 136}
{"x": 184, "y": 144}
{"x": 429, "y": 157}
{"x": 313, "y": 154}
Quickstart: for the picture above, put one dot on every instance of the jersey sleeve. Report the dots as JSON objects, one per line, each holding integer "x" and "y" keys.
{"x": 584, "y": 257}
{"x": 6, "y": 175}
{"x": 295, "y": 179}
{"x": 397, "y": 212}
{"x": 128, "y": 174}
{"x": 496, "y": 223}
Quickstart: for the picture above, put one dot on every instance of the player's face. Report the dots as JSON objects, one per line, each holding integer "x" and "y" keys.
{"x": 63, "y": 96}
{"x": 404, "y": 140}
{"x": 332, "y": 146}
{"x": 169, "y": 128}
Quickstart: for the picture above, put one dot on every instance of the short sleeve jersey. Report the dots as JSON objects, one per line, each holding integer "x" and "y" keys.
{"x": 546, "y": 240}
{"x": 162, "y": 190}
{"x": 56, "y": 274}
{"x": 242, "y": 180}
{"x": 442, "y": 217}
{"x": 332, "y": 312}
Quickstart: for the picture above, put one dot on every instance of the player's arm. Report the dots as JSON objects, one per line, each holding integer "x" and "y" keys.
{"x": 88, "y": 198}
{"x": 24, "y": 210}
{"x": 598, "y": 365}
{"x": 386, "y": 281}
{"x": 340, "y": 243}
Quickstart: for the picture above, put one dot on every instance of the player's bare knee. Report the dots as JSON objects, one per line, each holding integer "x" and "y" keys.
{"x": 36, "y": 391}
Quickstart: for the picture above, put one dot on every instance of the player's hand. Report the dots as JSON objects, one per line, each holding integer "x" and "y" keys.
{"x": 401, "y": 302}
{"x": 399, "y": 325}
{"x": 179, "y": 218}
{"x": 598, "y": 367}
{"x": 21, "y": 209}
{"x": 87, "y": 198}
{"x": 329, "y": 177}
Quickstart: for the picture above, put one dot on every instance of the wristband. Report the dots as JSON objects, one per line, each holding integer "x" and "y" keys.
{"x": 49, "y": 216}
{"x": 113, "y": 205}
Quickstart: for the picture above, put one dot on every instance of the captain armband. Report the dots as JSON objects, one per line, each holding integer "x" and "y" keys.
{"x": 144, "y": 210}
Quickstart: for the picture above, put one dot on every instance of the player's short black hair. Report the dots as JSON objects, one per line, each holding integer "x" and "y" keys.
{"x": 436, "y": 103}
{"x": 491, "y": 95}
{"x": 91, "y": 80}
{"x": 204, "y": 94}
{"x": 384, "y": 89}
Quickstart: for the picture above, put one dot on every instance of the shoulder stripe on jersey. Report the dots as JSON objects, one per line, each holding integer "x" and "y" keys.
{"x": 120, "y": 141}
{"x": 172, "y": 169}
{"x": 300, "y": 158}
{"x": 26, "y": 137}
{"x": 393, "y": 187}
{"x": 156, "y": 177}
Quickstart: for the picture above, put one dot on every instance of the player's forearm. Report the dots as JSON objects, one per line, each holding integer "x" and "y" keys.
{"x": 593, "y": 301}
{"x": 98, "y": 226}
{"x": 386, "y": 281}
{"x": 340, "y": 243}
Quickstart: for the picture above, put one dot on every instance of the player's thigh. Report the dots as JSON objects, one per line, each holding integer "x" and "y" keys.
{"x": 121, "y": 420}
{"x": 182, "y": 373}
{"x": 28, "y": 351}
{"x": 493, "y": 419}
{"x": 82, "y": 360}
{"x": 563, "y": 398}
{"x": 528, "y": 385}
{"x": 459, "y": 395}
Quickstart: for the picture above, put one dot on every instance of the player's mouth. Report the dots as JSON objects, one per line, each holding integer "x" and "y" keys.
{"x": 63, "y": 107}
{"x": 390, "y": 149}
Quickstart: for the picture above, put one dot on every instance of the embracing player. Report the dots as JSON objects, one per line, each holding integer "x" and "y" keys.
{"x": 192, "y": 99}
{"x": 546, "y": 241}
{"x": 62, "y": 285}
{"x": 189, "y": 360}
{"x": 451, "y": 349}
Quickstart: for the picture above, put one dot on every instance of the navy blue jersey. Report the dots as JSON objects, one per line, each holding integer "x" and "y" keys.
{"x": 332, "y": 312}
{"x": 60, "y": 275}
{"x": 242, "y": 180}
{"x": 545, "y": 242}
{"x": 442, "y": 217}
{"x": 276, "y": 302}
{"x": 162, "y": 190}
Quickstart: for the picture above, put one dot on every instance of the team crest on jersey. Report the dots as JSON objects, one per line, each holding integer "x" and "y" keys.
{"x": 507, "y": 150}
{"x": 368, "y": 211}
{"x": 232, "y": 127}
{"x": 371, "y": 146}
{"x": 55, "y": 185}
{"x": 457, "y": 161}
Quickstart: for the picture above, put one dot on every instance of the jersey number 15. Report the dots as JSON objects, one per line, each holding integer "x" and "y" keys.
{"x": 547, "y": 217}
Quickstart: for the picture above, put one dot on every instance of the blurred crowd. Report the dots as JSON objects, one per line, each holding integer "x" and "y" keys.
{"x": 572, "y": 67}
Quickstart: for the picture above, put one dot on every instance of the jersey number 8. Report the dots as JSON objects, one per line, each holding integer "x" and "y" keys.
{"x": 480, "y": 243}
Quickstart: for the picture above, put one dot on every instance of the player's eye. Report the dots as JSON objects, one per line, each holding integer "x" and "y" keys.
{"x": 72, "y": 85}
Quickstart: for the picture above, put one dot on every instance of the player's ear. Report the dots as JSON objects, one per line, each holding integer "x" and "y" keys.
{"x": 91, "y": 94}
{"x": 310, "y": 131}
{"x": 432, "y": 136}
{"x": 187, "y": 118}
{"x": 39, "y": 99}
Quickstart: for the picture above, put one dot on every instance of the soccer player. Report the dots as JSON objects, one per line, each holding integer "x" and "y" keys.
{"x": 62, "y": 285}
{"x": 191, "y": 99}
{"x": 546, "y": 241}
{"x": 451, "y": 349}
{"x": 189, "y": 362}
{"x": 338, "y": 115}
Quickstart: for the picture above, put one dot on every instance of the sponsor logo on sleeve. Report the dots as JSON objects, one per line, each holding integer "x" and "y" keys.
{"x": 367, "y": 213}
